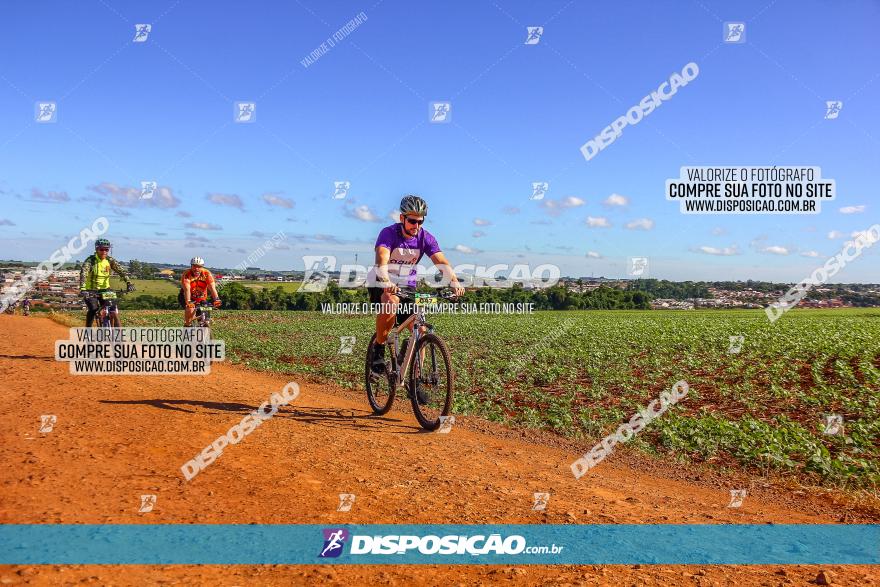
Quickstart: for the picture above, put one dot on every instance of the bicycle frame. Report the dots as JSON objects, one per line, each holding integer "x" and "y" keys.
{"x": 415, "y": 322}
{"x": 203, "y": 314}
{"x": 106, "y": 307}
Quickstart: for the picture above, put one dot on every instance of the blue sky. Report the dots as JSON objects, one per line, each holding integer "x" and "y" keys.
{"x": 163, "y": 110}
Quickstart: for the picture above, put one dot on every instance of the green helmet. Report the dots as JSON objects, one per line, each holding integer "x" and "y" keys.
{"x": 102, "y": 242}
{"x": 413, "y": 204}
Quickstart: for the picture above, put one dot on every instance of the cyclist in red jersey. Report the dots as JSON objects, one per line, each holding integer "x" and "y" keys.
{"x": 195, "y": 283}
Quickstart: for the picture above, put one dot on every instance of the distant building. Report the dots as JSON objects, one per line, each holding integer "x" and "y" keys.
{"x": 670, "y": 304}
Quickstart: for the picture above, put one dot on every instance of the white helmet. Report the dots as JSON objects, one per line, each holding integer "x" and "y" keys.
{"x": 197, "y": 261}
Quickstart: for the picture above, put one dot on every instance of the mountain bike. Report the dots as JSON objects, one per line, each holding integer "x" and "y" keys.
{"x": 422, "y": 366}
{"x": 203, "y": 314}
{"x": 108, "y": 314}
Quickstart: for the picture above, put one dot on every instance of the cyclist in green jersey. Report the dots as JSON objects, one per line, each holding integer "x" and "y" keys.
{"x": 94, "y": 276}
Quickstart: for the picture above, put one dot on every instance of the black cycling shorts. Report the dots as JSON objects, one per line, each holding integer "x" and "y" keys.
{"x": 404, "y": 310}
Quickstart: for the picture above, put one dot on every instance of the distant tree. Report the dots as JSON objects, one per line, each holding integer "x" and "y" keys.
{"x": 141, "y": 270}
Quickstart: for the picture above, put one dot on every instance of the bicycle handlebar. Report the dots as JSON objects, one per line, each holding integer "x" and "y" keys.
{"x": 96, "y": 293}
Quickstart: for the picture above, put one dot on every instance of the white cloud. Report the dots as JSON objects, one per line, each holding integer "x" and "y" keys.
{"x": 835, "y": 234}
{"x": 466, "y": 250}
{"x": 126, "y": 197}
{"x": 555, "y": 207}
{"x": 865, "y": 235}
{"x": 775, "y": 250}
{"x": 481, "y": 222}
{"x": 809, "y": 254}
{"x": 593, "y": 255}
{"x": 852, "y": 209}
{"x": 724, "y": 252}
{"x": 276, "y": 200}
{"x": 363, "y": 213}
{"x": 718, "y": 231}
{"x": 394, "y": 215}
{"x": 226, "y": 200}
{"x": 616, "y": 200}
{"x": 640, "y": 224}
{"x": 50, "y": 197}
{"x": 598, "y": 222}
{"x": 203, "y": 226}
{"x": 478, "y": 234}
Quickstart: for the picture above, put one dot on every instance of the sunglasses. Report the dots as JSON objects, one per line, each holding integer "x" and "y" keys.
{"x": 103, "y": 250}
{"x": 414, "y": 220}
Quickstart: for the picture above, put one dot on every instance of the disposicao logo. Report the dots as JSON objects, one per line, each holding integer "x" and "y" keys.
{"x": 334, "y": 541}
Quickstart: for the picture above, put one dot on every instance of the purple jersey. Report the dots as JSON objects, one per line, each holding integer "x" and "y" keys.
{"x": 406, "y": 251}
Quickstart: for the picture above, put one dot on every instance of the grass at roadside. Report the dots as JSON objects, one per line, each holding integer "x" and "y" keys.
{"x": 581, "y": 374}
{"x": 144, "y": 287}
{"x": 287, "y": 286}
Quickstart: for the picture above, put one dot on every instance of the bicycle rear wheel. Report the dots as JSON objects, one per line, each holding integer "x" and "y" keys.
{"x": 380, "y": 388}
{"x": 431, "y": 381}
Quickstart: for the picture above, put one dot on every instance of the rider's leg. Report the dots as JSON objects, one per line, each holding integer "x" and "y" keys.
{"x": 384, "y": 323}
{"x": 114, "y": 316}
{"x": 188, "y": 315}
{"x": 92, "y": 306}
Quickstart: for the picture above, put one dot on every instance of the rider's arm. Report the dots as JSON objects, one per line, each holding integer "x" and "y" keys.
{"x": 85, "y": 269}
{"x": 117, "y": 267}
{"x": 442, "y": 263}
{"x": 212, "y": 285}
{"x": 383, "y": 254}
{"x": 184, "y": 282}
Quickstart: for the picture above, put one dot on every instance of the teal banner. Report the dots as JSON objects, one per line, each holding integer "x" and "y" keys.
{"x": 793, "y": 544}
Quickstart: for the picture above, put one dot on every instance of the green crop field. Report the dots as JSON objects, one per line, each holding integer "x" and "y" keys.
{"x": 153, "y": 287}
{"x": 287, "y": 286}
{"x": 581, "y": 374}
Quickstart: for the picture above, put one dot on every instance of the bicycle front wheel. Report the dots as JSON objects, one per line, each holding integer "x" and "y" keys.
{"x": 431, "y": 381}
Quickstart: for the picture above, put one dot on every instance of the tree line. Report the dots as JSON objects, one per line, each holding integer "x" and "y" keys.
{"x": 238, "y": 297}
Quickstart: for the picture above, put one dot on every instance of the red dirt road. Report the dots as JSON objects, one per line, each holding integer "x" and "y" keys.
{"x": 118, "y": 437}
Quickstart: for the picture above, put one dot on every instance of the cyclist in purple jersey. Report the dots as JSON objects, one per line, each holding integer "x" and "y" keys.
{"x": 399, "y": 248}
